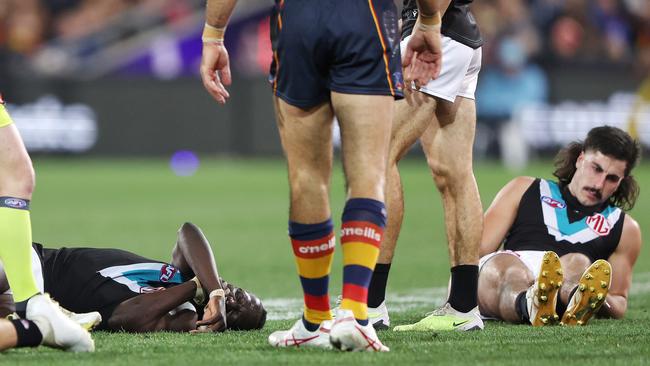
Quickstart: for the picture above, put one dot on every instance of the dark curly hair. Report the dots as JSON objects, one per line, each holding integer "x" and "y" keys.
{"x": 244, "y": 310}
{"x": 612, "y": 142}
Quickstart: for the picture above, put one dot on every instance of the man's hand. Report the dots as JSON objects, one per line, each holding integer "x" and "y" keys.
{"x": 215, "y": 70}
{"x": 423, "y": 56}
{"x": 214, "y": 316}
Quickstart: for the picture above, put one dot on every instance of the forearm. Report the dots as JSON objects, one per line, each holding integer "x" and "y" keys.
{"x": 146, "y": 312}
{"x": 193, "y": 250}
{"x": 614, "y": 307}
{"x": 218, "y": 12}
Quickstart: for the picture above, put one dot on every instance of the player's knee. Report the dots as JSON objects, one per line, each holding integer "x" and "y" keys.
{"x": 575, "y": 263}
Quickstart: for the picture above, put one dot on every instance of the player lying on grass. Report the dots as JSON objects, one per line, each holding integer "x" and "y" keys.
{"x": 136, "y": 294}
{"x": 568, "y": 247}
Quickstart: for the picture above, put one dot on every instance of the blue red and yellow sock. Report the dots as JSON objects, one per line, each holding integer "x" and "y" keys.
{"x": 362, "y": 229}
{"x": 313, "y": 247}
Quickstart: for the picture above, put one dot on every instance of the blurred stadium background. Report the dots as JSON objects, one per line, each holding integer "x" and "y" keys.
{"x": 119, "y": 77}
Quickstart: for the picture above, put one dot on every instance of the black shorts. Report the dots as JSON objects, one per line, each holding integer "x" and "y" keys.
{"x": 349, "y": 46}
{"x": 89, "y": 279}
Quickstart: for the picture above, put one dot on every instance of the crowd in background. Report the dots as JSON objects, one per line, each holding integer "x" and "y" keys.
{"x": 522, "y": 37}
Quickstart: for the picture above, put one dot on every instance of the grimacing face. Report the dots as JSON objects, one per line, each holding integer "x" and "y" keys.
{"x": 597, "y": 177}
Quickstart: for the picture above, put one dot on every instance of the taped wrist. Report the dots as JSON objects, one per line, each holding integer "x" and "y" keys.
{"x": 199, "y": 295}
{"x": 213, "y": 34}
{"x": 428, "y": 23}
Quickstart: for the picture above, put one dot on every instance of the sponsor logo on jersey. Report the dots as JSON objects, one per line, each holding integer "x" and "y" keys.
{"x": 15, "y": 203}
{"x": 317, "y": 248}
{"x": 167, "y": 272}
{"x": 599, "y": 224}
{"x": 553, "y": 202}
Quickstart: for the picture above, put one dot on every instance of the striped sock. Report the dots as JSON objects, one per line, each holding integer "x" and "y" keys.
{"x": 361, "y": 232}
{"x": 313, "y": 248}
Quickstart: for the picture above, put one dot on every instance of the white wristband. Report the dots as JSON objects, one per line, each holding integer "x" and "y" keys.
{"x": 217, "y": 293}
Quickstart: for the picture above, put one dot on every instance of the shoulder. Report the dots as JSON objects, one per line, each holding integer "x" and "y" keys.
{"x": 518, "y": 185}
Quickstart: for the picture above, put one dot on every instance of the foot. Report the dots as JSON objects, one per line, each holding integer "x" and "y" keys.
{"x": 378, "y": 317}
{"x": 88, "y": 321}
{"x": 446, "y": 318}
{"x": 541, "y": 297}
{"x": 590, "y": 294}
{"x": 348, "y": 335}
{"x": 298, "y": 336}
{"x": 57, "y": 329}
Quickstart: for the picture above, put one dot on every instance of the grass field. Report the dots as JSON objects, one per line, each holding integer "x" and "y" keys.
{"x": 242, "y": 207}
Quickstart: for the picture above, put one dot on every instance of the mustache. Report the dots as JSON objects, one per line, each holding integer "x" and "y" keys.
{"x": 595, "y": 191}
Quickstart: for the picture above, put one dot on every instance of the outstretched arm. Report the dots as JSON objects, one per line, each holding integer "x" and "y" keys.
{"x": 215, "y": 62}
{"x": 622, "y": 261}
{"x": 192, "y": 255}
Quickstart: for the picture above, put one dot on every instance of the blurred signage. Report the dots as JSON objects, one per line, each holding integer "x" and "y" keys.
{"x": 549, "y": 126}
{"x": 49, "y": 126}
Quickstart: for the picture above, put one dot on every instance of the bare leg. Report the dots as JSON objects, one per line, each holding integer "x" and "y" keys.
{"x": 573, "y": 265}
{"x": 150, "y": 312}
{"x": 449, "y": 154}
{"x": 501, "y": 280}
{"x": 365, "y": 123}
{"x": 412, "y": 116}
{"x": 306, "y": 137}
{"x": 8, "y": 335}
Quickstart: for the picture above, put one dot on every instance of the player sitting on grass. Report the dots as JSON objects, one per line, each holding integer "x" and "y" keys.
{"x": 568, "y": 246}
{"x": 136, "y": 294}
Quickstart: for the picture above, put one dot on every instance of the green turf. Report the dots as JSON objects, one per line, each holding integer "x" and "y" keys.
{"x": 242, "y": 207}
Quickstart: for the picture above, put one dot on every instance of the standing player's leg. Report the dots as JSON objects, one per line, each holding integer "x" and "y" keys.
{"x": 306, "y": 136}
{"x": 412, "y": 116}
{"x": 16, "y": 186}
{"x": 448, "y": 148}
{"x": 365, "y": 122}
{"x": 449, "y": 154}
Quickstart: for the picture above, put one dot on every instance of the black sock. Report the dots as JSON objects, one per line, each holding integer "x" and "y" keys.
{"x": 28, "y": 333}
{"x": 463, "y": 295}
{"x": 21, "y": 308}
{"x": 377, "y": 288}
{"x": 521, "y": 307}
{"x": 560, "y": 306}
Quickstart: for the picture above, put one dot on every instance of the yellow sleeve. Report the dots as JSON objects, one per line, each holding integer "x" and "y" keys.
{"x": 5, "y": 119}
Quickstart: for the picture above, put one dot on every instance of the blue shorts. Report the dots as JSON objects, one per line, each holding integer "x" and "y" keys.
{"x": 346, "y": 46}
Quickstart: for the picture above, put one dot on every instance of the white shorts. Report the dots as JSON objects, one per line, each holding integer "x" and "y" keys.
{"x": 532, "y": 259}
{"x": 459, "y": 74}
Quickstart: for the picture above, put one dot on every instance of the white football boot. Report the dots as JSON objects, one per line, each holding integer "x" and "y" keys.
{"x": 444, "y": 319}
{"x": 378, "y": 316}
{"x": 298, "y": 336}
{"x": 541, "y": 297}
{"x": 348, "y": 335}
{"x": 88, "y": 321}
{"x": 58, "y": 330}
